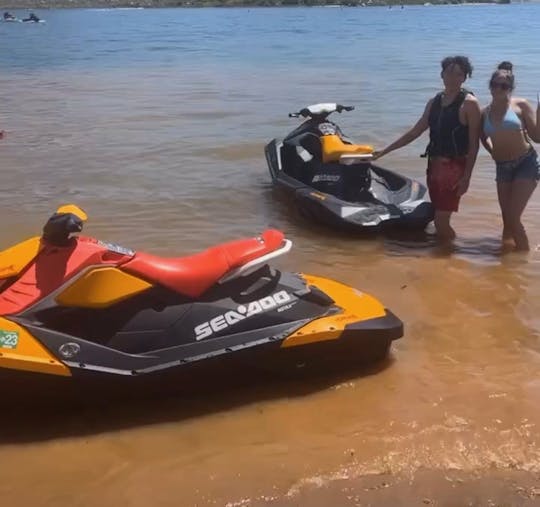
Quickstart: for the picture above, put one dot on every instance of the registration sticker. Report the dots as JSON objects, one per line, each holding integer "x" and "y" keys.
{"x": 113, "y": 247}
{"x": 9, "y": 339}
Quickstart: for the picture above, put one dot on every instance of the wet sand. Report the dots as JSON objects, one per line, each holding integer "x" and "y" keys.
{"x": 451, "y": 488}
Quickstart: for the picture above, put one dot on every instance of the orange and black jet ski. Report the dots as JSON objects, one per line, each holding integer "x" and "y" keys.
{"x": 72, "y": 305}
{"x": 333, "y": 181}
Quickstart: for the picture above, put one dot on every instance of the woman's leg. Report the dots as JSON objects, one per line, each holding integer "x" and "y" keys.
{"x": 522, "y": 190}
{"x": 504, "y": 192}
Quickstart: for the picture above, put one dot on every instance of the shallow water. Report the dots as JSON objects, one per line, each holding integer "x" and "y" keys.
{"x": 155, "y": 122}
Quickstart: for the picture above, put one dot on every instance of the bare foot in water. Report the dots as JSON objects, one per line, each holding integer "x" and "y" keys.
{"x": 507, "y": 245}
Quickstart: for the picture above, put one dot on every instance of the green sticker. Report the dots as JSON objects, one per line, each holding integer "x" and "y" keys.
{"x": 9, "y": 339}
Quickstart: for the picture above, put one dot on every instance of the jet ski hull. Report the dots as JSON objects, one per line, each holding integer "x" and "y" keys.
{"x": 264, "y": 360}
{"x": 358, "y": 217}
{"x": 359, "y": 349}
{"x": 316, "y": 329}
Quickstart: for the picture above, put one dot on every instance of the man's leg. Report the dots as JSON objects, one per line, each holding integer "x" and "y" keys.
{"x": 442, "y": 225}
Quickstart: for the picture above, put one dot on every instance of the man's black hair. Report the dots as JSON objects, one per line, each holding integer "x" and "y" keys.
{"x": 462, "y": 61}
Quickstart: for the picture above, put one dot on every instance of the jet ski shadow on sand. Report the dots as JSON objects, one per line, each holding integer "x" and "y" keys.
{"x": 85, "y": 319}
{"x": 333, "y": 181}
{"x": 81, "y": 412}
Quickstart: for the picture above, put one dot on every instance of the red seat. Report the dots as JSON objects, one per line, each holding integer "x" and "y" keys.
{"x": 195, "y": 274}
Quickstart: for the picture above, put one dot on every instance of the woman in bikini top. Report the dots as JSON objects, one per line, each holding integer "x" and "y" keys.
{"x": 508, "y": 127}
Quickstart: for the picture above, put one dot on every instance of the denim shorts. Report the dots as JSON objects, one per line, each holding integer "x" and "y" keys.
{"x": 525, "y": 167}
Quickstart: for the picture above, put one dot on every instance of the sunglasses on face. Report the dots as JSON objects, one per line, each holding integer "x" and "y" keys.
{"x": 503, "y": 86}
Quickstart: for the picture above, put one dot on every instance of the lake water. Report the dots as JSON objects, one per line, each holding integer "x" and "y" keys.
{"x": 154, "y": 121}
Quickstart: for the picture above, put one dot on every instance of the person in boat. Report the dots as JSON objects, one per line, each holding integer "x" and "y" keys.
{"x": 32, "y": 17}
{"x": 453, "y": 118}
{"x": 8, "y": 16}
{"x": 509, "y": 124}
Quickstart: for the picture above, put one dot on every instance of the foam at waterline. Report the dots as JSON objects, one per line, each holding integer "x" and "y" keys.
{"x": 459, "y": 450}
{"x": 505, "y": 449}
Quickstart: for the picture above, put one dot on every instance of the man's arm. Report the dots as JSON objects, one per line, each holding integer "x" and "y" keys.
{"x": 420, "y": 127}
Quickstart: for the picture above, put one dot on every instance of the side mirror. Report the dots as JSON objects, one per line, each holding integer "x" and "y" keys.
{"x": 66, "y": 221}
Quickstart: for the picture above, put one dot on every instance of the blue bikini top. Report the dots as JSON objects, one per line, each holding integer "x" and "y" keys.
{"x": 510, "y": 121}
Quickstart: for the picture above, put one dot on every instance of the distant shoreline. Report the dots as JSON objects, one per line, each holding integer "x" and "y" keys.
{"x": 89, "y": 4}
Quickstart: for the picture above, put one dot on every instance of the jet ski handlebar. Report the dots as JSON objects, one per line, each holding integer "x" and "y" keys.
{"x": 320, "y": 110}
